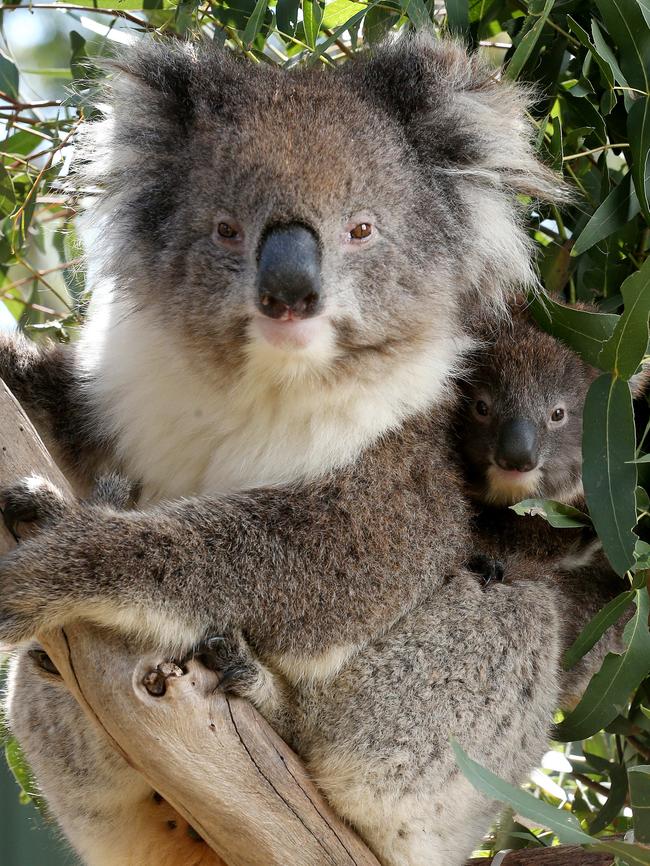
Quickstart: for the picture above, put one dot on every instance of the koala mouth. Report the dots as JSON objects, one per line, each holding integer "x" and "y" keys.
{"x": 508, "y": 486}
{"x": 290, "y": 333}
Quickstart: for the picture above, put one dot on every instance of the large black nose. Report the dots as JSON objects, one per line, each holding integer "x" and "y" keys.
{"x": 288, "y": 273}
{"x": 517, "y": 445}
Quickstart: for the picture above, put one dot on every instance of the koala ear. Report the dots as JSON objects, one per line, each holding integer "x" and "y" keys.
{"x": 640, "y": 383}
{"x": 456, "y": 113}
{"x": 138, "y": 155}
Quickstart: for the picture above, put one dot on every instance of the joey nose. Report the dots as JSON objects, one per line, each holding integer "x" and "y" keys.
{"x": 517, "y": 445}
{"x": 288, "y": 273}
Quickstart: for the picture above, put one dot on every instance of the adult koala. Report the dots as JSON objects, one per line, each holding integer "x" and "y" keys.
{"x": 280, "y": 263}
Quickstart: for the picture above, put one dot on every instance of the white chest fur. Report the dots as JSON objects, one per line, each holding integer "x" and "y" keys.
{"x": 182, "y": 432}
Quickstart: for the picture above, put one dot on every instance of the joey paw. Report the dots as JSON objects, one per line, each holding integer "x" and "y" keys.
{"x": 487, "y": 568}
{"x": 33, "y": 500}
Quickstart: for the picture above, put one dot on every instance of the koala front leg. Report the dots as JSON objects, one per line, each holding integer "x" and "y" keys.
{"x": 108, "y": 812}
{"x": 255, "y": 561}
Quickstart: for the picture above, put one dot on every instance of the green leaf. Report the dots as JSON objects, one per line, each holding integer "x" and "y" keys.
{"x": 644, "y": 5}
{"x": 9, "y": 76}
{"x": 620, "y": 206}
{"x": 557, "y": 514}
{"x": 638, "y": 130}
{"x": 627, "y": 346}
{"x": 339, "y": 12}
{"x": 254, "y": 23}
{"x": 525, "y": 48}
{"x": 583, "y": 38}
{"x": 617, "y": 792}
{"x": 457, "y": 15}
{"x": 583, "y": 331}
{"x": 639, "y": 778}
{"x": 7, "y": 193}
{"x": 416, "y": 12}
{"x": 312, "y": 15}
{"x": 609, "y": 689}
{"x": 322, "y": 46}
{"x": 607, "y": 54}
{"x": 609, "y": 479}
{"x": 596, "y": 628}
{"x": 632, "y": 855}
{"x": 378, "y": 23}
{"x": 286, "y": 16}
{"x": 20, "y": 770}
{"x": 562, "y": 823}
{"x": 626, "y": 26}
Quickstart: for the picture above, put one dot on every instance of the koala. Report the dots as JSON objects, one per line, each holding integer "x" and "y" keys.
{"x": 518, "y": 434}
{"x": 517, "y": 431}
{"x": 269, "y": 351}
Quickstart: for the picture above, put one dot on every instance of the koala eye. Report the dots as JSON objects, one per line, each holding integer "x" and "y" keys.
{"x": 228, "y": 232}
{"x": 481, "y": 408}
{"x": 361, "y": 231}
{"x": 557, "y": 415}
{"x": 225, "y": 230}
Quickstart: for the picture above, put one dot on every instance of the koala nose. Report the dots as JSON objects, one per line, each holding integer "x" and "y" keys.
{"x": 517, "y": 445}
{"x": 288, "y": 273}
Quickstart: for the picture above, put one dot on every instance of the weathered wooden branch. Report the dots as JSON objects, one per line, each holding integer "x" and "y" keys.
{"x": 565, "y": 855}
{"x": 213, "y": 758}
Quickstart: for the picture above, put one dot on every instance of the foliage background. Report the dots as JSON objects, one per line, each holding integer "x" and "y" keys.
{"x": 590, "y": 63}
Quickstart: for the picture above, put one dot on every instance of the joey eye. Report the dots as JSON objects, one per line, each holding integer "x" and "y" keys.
{"x": 557, "y": 415}
{"x": 227, "y": 231}
{"x": 482, "y": 408}
{"x": 361, "y": 231}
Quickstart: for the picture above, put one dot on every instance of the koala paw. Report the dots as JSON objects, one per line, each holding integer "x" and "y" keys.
{"x": 32, "y": 500}
{"x": 240, "y": 672}
{"x": 488, "y": 569}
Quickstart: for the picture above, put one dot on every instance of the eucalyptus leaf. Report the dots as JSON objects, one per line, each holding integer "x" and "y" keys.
{"x": 312, "y": 16}
{"x": 457, "y": 15}
{"x": 557, "y": 514}
{"x": 254, "y": 23}
{"x": 638, "y": 130}
{"x": 616, "y": 799}
{"x": 639, "y": 779}
{"x": 7, "y": 193}
{"x": 526, "y": 47}
{"x": 338, "y": 12}
{"x": 286, "y": 13}
{"x": 620, "y": 206}
{"x": 417, "y": 13}
{"x": 626, "y": 25}
{"x": 627, "y": 346}
{"x": 9, "y": 76}
{"x": 565, "y": 825}
{"x": 583, "y": 331}
{"x": 596, "y": 628}
{"x": 609, "y": 478}
{"x": 609, "y": 690}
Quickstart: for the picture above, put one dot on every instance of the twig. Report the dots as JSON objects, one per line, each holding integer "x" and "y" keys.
{"x": 40, "y": 274}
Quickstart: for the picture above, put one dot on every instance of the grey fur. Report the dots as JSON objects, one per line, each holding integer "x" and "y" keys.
{"x": 342, "y": 568}
{"x": 522, "y": 372}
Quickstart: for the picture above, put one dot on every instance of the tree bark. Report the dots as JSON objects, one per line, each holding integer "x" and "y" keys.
{"x": 565, "y": 855}
{"x": 212, "y": 757}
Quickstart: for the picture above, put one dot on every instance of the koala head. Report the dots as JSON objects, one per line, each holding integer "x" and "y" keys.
{"x": 519, "y": 424}
{"x": 316, "y": 222}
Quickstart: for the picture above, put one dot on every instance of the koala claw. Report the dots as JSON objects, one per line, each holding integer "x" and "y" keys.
{"x": 32, "y": 500}
{"x": 488, "y": 569}
{"x": 240, "y": 673}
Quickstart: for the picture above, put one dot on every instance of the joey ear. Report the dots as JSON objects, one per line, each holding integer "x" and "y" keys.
{"x": 456, "y": 113}
{"x": 640, "y": 383}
